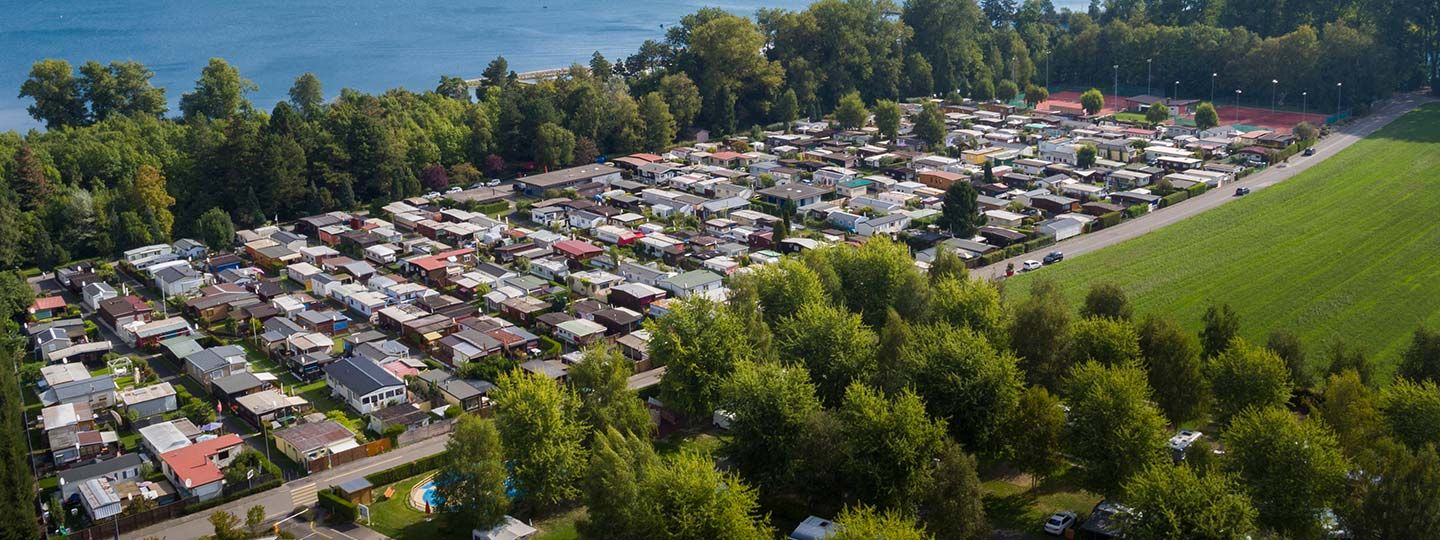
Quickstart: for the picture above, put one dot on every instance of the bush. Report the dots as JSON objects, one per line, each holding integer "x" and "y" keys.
{"x": 401, "y": 472}
{"x": 1197, "y": 189}
{"x": 1106, "y": 221}
{"x": 340, "y": 509}
{"x": 1137, "y": 210}
{"x": 1174, "y": 198}
{"x": 992, "y": 257}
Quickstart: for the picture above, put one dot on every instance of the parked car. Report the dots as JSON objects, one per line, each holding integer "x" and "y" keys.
{"x": 1310, "y": 151}
{"x": 455, "y": 189}
{"x": 1058, "y": 522}
{"x": 1242, "y": 191}
{"x": 1053, "y": 257}
{"x": 1029, "y": 265}
{"x": 493, "y": 183}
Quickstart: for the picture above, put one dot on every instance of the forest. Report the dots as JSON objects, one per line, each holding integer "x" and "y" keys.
{"x": 116, "y": 169}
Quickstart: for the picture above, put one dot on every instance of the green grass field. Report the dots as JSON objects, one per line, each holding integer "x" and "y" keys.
{"x": 1348, "y": 249}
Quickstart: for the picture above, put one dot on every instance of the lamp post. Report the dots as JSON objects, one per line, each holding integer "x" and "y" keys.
{"x": 1147, "y": 75}
{"x": 1116, "y": 67}
{"x": 1047, "y": 69}
{"x": 1212, "y": 86}
{"x": 1274, "y": 89}
{"x": 1176, "y": 94}
{"x": 1237, "y": 104}
{"x": 1339, "y": 91}
{"x": 1304, "y": 102}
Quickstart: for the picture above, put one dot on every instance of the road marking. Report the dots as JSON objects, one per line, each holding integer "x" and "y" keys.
{"x": 304, "y": 494}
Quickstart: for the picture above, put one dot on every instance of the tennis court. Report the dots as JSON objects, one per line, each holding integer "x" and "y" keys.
{"x": 1229, "y": 114}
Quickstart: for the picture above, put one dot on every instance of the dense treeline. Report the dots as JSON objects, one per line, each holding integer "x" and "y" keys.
{"x": 17, "y": 482}
{"x": 113, "y": 172}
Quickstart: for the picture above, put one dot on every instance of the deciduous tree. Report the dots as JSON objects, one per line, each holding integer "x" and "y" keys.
{"x": 600, "y": 380}
{"x": 1206, "y": 117}
{"x": 1092, "y": 101}
{"x": 699, "y": 343}
{"x": 1291, "y": 468}
{"x": 851, "y": 112}
{"x": 831, "y": 343}
{"x": 1114, "y": 430}
{"x": 1175, "y": 370}
{"x": 1246, "y": 376}
{"x": 56, "y": 93}
{"x": 1411, "y": 411}
{"x": 863, "y": 522}
{"x": 961, "y": 212}
{"x": 542, "y": 433}
{"x": 219, "y": 93}
{"x": 1172, "y": 501}
{"x": 771, "y": 406}
{"x": 1107, "y": 300}
{"x": 887, "y": 119}
{"x": 1421, "y": 360}
{"x": 1037, "y": 433}
{"x": 659, "y": 123}
{"x": 470, "y": 486}
{"x": 1105, "y": 340}
{"x": 888, "y": 446}
{"x": 1222, "y": 324}
{"x": 1040, "y": 335}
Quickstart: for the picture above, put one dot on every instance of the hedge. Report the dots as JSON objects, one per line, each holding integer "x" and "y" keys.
{"x": 340, "y": 509}
{"x": 1106, "y": 221}
{"x": 992, "y": 257}
{"x": 1197, "y": 189}
{"x": 1137, "y": 210}
{"x": 1174, "y": 198}
{"x": 267, "y": 486}
{"x": 403, "y": 471}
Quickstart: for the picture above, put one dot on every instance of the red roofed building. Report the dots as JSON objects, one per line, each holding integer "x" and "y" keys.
{"x": 47, "y": 307}
{"x": 724, "y": 159}
{"x": 577, "y": 251}
{"x": 435, "y": 269}
{"x": 196, "y": 469}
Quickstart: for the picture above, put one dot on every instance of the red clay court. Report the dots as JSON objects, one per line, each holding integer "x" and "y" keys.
{"x": 1229, "y": 114}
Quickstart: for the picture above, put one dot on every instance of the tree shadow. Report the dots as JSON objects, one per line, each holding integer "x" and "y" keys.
{"x": 1009, "y": 511}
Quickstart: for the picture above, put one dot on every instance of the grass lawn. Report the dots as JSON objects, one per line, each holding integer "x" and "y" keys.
{"x": 393, "y": 517}
{"x": 560, "y": 526}
{"x": 1345, "y": 249}
{"x": 1012, "y": 504}
{"x": 1134, "y": 117}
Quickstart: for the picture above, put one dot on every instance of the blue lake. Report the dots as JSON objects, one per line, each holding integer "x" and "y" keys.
{"x": 363, "y": 44}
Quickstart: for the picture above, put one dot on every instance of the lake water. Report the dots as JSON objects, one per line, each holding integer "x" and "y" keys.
{"x": 363, "y": 44}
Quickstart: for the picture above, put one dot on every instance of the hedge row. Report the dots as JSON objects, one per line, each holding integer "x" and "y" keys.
{"x": 1174, "y": 198}
{"x": 1197, "y": 189}
{"x": 266, "y": 486}
{"x": 340, "y": 509}
{"x": 401, "y": 472}
{"x": 992, "y": 257}
{"x": 1137, "y": 210}
{"x": 1106, "y": 221}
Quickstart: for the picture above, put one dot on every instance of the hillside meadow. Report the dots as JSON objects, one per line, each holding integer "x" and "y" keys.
{"x": 1348, "y": 249}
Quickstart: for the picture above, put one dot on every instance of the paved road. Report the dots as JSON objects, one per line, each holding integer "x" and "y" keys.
{"x": 285, "y": 500}
{"x": 1338, "y": 140}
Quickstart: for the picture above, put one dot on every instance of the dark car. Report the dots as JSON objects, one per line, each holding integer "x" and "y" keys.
{"x": 1054, "y": 257}
{"x": 1242, "y": 191}
{"x": 1309, "y": 151}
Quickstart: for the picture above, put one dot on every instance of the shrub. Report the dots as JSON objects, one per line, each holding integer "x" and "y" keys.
{"x": 1174, "y": 198}
{"x": 340, "y": 509}
{"x": 406, "y": 470}
{"x": 1137, "y": 210}
{"x": 1109, "y": 220}
{"x": 1197, "y": 189}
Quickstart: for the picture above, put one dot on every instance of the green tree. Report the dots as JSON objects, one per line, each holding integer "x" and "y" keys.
{"x": 1035, "y": 95}
{"x": 771, "y": 406}
{"x": 1287, "y": 346}
{"x": 215, "y": 229}
{"x": 1343, "y": 357}
{"x": 56, "y": 92}
{"x": 307, "y": 94}
{"x": 1037, "y": 433}
{"x": 683, "y": 97}
{"x": 1222, "y": 324}
{"x": 659, "y": 123}
{"x": 887, "y": 446}
{"x": 226, "y": 526}
{"x": 618, "y": 462}
{"x": 1107, "y": 300}
{"x": 219, "y": 93}
{"x": 1206, "y": 117}
{"x": 1092, "y": 101}
{"x": 1085, "y": 156}
{"x": 831, "y": 343}
{"x": 606, "y": 401}
{"x": 887, "y": 119}
{"x": 1157, "y": 113}
{"x": 970, "y": 303}
{"x": 1105, "y": 340}
{"x": 1114, "y": 430}
{"x": 1421, "y": 360}
{"x": 787, "y": 108}
{"x": 785, "y": 287}
{"x": 686, "y": 498}
{"x": 1007, "y": 90}
{"x": 1172, "y": 501}
{"x": 1306, "y": 131}
{"x": 453, "y": 87}
{"x": 148, "y": 192}
{"x": 851, "y": 112}
{"x": 1040, "y": 335}
{"x": 496, "y": 71}
{"x": 953, "y": 505}
{"x": 1352, "y": 409}
{"x": 930, "y": 126}
{"x": 1291, "y": 468}
{"x": 600, "y": 68}
{"x": 869, "y": 279}
{"x": 866, "y": 523}
{"x": 1411, "y": 411}
{"x": 1176, "y": 372}
{"x": 960, "y": 213}
{"x": 984, "y": 90}
{"x": 1245, "y": 376}
{"x": 554, "y": 146}
{"x": 542, "y": 433}
{"x": 964, "y": 381}
{"x": 1398, "y": 497}
{"x": 470, "y": 486}
{"x": 699, "y": 343}
{"x": 120, "y": 89}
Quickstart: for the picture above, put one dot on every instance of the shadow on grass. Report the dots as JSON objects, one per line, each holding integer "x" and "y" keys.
{"x": 1010, "y": 511}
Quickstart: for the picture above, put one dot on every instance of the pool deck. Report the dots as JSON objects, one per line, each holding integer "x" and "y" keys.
{"x": 416, "y": 497}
